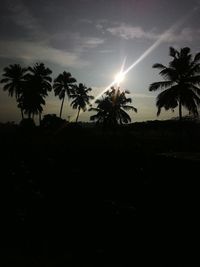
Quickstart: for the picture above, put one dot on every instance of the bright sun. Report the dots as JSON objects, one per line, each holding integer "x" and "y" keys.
{"x": 119, "y": 77}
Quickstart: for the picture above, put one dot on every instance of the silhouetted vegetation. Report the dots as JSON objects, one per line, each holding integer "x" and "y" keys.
{"x": 63, "y": 85}
{"x": 51, "y": 121}
{"x": 111, "y": 108}
{"x": 181, "y": 82}
{"x": 81, "y": 99}
{"x": 27, "y": 124}
{"x": 14, "y": 82}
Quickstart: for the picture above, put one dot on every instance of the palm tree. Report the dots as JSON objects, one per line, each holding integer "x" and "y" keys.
{"x": 81, "y": 98}
{"x": 102, "y": 110}
{"x": 38, "y": 84}
{"x": 111, "y": 109}
{"x": 31, "y": 101}
{"x": 14, "y": 80}
{"x": 63, "y": 85}
{"x": 181, "y": 82}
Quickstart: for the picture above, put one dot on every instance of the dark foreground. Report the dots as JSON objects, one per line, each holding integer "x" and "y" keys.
{"x": 82, "y": 196}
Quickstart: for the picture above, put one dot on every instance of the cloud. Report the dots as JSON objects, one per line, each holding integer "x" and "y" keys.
{"x": 106, "y": 51}
{"x": 92, "y": 42}
{"x": 99, "y": 26}
{"x": 75, "y": 41}
{"x": 129, "y": 32}
{"x": 186, "y": 34}
{"x": 86, "y": 21}
{"x": 21, "y": 15}
{"x": 82, "y": 44}
{"x": 31, "y": 52}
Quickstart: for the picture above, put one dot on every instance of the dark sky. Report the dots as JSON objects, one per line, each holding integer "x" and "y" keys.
{"x": 91, "y": 38}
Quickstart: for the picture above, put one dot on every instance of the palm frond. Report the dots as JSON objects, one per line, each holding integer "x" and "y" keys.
{"x": 172, "y": 51}
{"x": 197, "y": 57}
{"x": 195, "y": 89}
{"x": 194, "y": 80}
{"x": 168, "y": 99}
{"x": 158, "y": 66}
{"x": 195, "y": 69}
{"x": 169, "y": 73}
{"x": 5, "y": 80}
{"x": 185, "y": 52}
{"x": 160, "y": 85}
{"x": 94, "y": 109}
{"x": 127, "y": 107}
{"x": 124, "y": 116}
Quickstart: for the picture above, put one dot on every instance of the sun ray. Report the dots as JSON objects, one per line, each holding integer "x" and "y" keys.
{"x": 121, "y": 75}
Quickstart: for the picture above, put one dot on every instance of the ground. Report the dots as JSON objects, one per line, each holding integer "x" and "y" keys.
{"x": 87, "y": 195}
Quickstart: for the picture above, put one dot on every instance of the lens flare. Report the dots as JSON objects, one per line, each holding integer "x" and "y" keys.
{"x": 119, "y": 78}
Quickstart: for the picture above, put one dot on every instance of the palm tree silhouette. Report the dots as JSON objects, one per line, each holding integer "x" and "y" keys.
{"x": 102, "y": 110}
{"x": 181, "y": 82}
{"x": 14, "y": 80}
{"x": 63, "y": 85}
{"x": 39, "y": 81}
{"x": 31, "y": 101}
{"x": 81, "y": 98}
{"x": 111, "y": 109}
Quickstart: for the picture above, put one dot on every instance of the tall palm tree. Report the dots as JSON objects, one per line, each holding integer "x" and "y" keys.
{"x": 111, "y": 109}
{"x": 38, "y": 84}
{"x": 181, "y": 82}
{"x": 81, "y": 98}
{"x": 63, "y": 85}
{"x": 14, "y": 80}
{"x": 41, "y": 74}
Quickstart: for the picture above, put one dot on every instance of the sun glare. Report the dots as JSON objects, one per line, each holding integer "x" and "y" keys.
{"x": 119, "y": 77}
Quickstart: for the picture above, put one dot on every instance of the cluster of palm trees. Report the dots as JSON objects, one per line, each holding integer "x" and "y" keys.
{"x": 31, "y": 85}
{"x": 180, "y": 88}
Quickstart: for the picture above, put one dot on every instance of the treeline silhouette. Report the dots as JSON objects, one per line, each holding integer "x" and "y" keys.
{"x": 180, "y": 86}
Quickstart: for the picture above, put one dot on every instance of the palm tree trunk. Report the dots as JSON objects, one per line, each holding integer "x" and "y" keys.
{"x": 61, "y": 108}
{"x": 40, "y": 118}
{"x": 120, "y": 119}
{"x": 78, "y": 114}
{"x": 180, "y": 110}
{"x": 22, "y": 113}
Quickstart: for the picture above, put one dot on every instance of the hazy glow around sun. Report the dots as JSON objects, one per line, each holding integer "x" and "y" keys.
{"x": 119, "y": 77}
